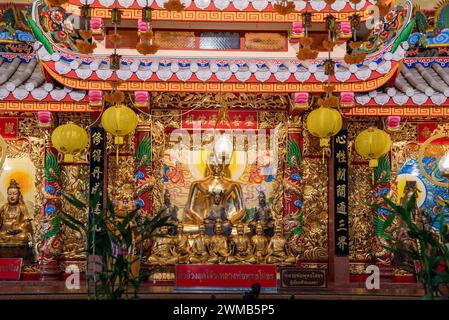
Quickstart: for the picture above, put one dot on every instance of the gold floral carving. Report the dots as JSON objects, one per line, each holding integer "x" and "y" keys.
{"x": 408, "y": 132}
{"x": 158, "y": 146}
{"x": 121, "y": 180}
{"x": 75, "y": 180}
{"x": 186, "y": 100}
{"x": 278, "y": 202}
{"x": 168, "y": 118}
{"x": 127, "y": 148}
{"x": 361, "y": 223}
{"x": 358, "y": 268}
{"x": 315, "y": 210}
{"x": 311, "y": 144}
{"x": 269, "y": 120}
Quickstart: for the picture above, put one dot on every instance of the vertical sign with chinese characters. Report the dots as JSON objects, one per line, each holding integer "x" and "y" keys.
{"x": 341, "y": 193}
{"x": 97, "y": 150}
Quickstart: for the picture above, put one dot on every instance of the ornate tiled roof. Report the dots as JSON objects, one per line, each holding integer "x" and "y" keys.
{"x": 167, "y": 68}
{"x": 422, "y": 81}
{"x": 21, "y": 78}
{"x": 258, "y": 5}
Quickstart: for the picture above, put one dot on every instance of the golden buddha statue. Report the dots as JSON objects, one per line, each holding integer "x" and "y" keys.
{"x": 260, "y": 244}
{"x": 278, "y": 249}
{"x": 218, "y": 246}
{"x": 162, "y": 251}
{"x": 15, "y": 222}
{"x": 182, "y": 247}
{"x": 200, "y": 199}
{"x": 242, "y": 247}
{"x": 199, "y": 252}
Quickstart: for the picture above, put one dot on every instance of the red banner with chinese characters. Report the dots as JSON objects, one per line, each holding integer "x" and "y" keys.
{"x": 8, "y": 127}
{"x": 10, "y": 268}
{"x": 206, "y": 119}
{"x": 225, "y": 276}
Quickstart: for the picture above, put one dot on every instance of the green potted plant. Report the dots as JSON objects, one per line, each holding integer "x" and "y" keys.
{"x": 415, "y": 241}
{"x": 115, "y": 247}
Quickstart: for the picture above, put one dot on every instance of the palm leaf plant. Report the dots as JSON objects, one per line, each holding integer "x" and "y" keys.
{"x": 425, "y": 249}
{"x": 116, "y": 243}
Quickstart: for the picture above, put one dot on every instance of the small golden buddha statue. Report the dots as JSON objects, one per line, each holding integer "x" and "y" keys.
{"x": 182, "y": 247}
{"x": 162, "y": 251}
{"x": 242, "y": 247}
{"x": 200, "y": 202}
{"x": 263, "y": 216}
{"x": 260, "y": 244}
{"x": 15, "y": 222}
{"x": 278, "y": 249}
{"x": 199, "y": 252}
{"x": 218, "y": 246}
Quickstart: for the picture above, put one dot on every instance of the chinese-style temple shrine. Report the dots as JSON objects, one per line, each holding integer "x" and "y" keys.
{"x": 302, "y": 145}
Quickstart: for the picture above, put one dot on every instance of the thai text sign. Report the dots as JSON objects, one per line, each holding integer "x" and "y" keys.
{"x": 225, "y": 276}
{"x": 10, "y": 268}
{"x": 341, "y": 193}
{"x": 293, "y": 278}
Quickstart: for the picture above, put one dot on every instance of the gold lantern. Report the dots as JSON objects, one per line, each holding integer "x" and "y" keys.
{"x": 119, "y": 121}
{"x": 324, "y": 123}
{"x": 372, "y": 143}
{"x": 69, "y": 139}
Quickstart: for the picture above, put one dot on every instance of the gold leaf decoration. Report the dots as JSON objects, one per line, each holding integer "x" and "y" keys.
{"x": 355, "y": 57}
{"x": 306, "y": 41}
{"x": 85, "y": 47}
{"x": 329, "y": 102}
{"x": 328, "y": 45}
{"x": 174, "y": 5}
{"x": 146, "y": 48}
{"x": 284, "y": 7}
{"x": 115, "y": 38}
{"x": 306, "y": 54}
{"x": 355, "y": 45}
{"x": 146, "y": 36}
{"x": 85, "y": 34}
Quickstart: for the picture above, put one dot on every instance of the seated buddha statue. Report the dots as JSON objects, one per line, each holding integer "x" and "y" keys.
{"x": 278, "y": 249}
{"x": 162, "y": 251}
{"x": 260, "y": 244}
{"x": 182, "y": 247}
{"x": 217, "y": 213}
{"x": 242, "y": 247}
{"x": 15, "y": 222}
{"x": 200, "y": 202}
{"x": 199, "y": 251}
{"x": 218, "y": 246}
{"x": 263, "y": 216}
{"x": 170, "y": 211}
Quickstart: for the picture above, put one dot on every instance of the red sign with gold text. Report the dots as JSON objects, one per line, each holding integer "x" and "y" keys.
{"x": 10, "y": 268}
{"x": 8, "y": 127}
{"x": 225, "y": 276}
{"x": 206, "y": 119}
